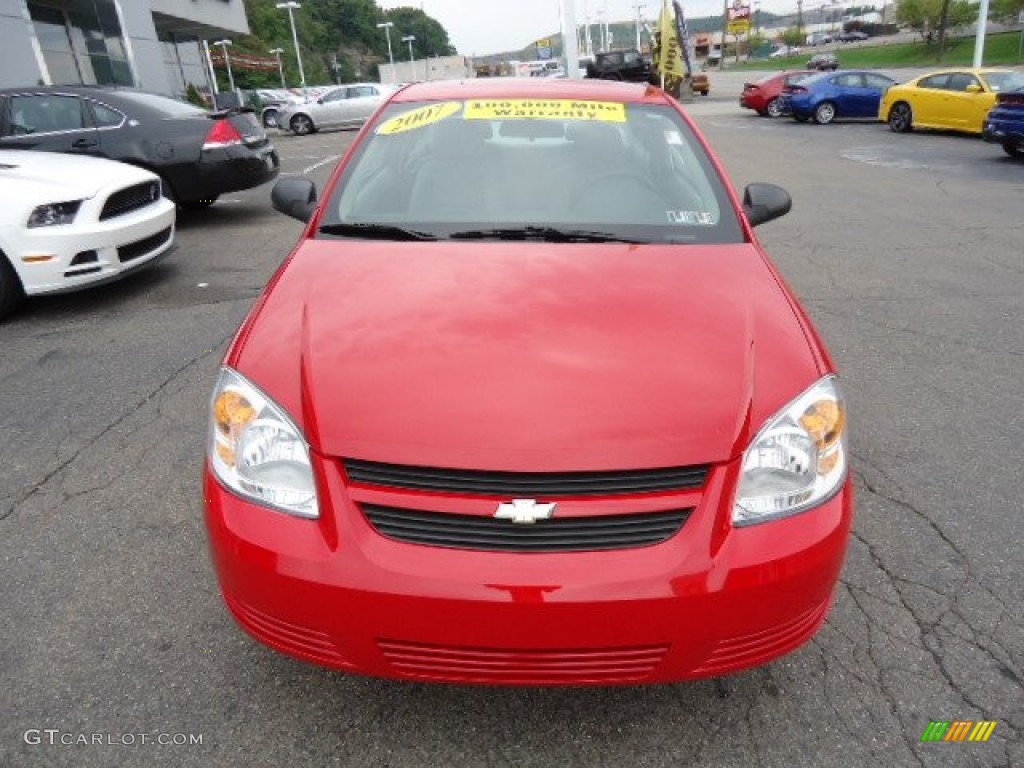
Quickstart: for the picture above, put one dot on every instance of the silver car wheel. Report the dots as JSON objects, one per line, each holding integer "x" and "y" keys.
{"x": 301, "y": 125}
{"x": 825, "y": 113}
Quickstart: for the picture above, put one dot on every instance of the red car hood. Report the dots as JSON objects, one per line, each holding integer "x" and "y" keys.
{"x": 528, "y": 356}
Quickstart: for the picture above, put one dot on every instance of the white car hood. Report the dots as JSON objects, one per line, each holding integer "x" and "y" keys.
{"x": 57, "y": 177}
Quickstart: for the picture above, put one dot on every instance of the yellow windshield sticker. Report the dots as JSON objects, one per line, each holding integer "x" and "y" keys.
{"x": 545, "y": 109}
{"x": 418, "y": 118}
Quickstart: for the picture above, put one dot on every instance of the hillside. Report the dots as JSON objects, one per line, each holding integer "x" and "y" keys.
{"x": 339, "y": 39}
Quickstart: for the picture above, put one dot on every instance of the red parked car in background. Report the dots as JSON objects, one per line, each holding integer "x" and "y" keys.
{"x": 763, "y": 96}
{"x": 473, "y": 433}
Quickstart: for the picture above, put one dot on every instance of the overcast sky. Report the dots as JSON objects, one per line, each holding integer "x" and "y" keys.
{"x": 492, "y": 26}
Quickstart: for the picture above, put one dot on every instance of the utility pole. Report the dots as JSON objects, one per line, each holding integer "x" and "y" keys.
{"x": 725, "y": 29}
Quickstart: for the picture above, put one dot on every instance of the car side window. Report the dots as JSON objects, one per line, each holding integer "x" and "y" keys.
{"x": 46, "y": 114}
{"x": 338, "y": 95}
{"x": 850, "y": 80}
{"x": 358, "y": 91}
{"x": 960, "y": 81}
{"x": 106, "y": 117}
{"x": 877, "y": 82}
{"x": 934, "y": 81}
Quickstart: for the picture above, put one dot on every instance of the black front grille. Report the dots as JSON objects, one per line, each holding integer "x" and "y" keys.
{"x": 130, "y": 199}
{"x": 142, "y": 247}
{"x": 533, "y": 485}
{"x": 558, "y": 534}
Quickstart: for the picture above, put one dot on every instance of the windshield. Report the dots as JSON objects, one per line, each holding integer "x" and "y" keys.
{"x": 1004, "y": 81}
{"x": 554, "y": 169}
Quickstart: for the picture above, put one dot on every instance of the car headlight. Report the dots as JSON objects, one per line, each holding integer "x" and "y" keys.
{"x": 797, "y": 460}
{"x": 257, "y": 451}
{"x": 53, "y": 214}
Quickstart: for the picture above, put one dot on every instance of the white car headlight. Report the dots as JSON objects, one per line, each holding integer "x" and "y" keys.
{"x": 797, "y": 460}
{"x": 53, "y": 214}
{"x": 257, "y": 451}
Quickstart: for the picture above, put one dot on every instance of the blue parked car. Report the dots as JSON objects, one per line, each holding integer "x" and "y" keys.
{"x": 1005, "y": 122}
{"x": 846, "y": 93}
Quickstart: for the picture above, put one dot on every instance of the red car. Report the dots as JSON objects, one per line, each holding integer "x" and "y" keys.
{"x": 528, "y": 404}
{"x": 764, "y": 95}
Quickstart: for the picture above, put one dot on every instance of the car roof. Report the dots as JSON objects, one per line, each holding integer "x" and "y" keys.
{"x": 785, "y": 73}
{"x": 77, "y": 88}
{"x": 821, "y": 77}
{"x": 972, "y": 70}
{"x": 531, "y": 88}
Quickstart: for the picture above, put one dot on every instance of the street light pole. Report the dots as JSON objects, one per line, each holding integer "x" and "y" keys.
{"x": 291, "y": 6}
{"x": 979, "y": 37}
{"x": 386, "y": 26}
{"x": 280, "y": 67}
{"x": 588, "y": 44}
{"x": 410, "y": 39}
{"x": 227, "y": 61}
{"x": 607, "y": 28}
{"x": 639, "y": 21}
{"x": 209, "y": 67}
{"x": 571, "y": 49}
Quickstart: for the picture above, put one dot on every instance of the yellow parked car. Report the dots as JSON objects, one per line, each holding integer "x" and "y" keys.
{"x": 949, "y": 99}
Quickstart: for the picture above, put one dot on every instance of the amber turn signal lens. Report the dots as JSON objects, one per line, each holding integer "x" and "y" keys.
{"x": 232, "y": 413}
{"x": 824, "y": 421}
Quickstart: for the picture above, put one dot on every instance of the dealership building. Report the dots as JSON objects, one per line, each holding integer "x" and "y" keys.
{"x": 155, "y": 45}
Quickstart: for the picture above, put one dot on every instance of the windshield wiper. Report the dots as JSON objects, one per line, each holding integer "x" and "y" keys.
{"x": 542, "y": 234}
{"x": 375, "y": 232}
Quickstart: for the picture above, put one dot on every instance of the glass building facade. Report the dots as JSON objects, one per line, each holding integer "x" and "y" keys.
{"x": 82, "y": 42}
{"x": 151, "y": 44}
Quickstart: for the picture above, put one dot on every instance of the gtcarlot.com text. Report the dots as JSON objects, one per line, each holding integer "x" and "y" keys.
{"x": 57, "y": 737}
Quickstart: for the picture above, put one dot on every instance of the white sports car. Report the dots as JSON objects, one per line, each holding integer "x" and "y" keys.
{"x": 71, "y": 221}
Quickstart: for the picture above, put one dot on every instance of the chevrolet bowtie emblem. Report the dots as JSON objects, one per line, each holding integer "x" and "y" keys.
{"x": 524, "y": 511}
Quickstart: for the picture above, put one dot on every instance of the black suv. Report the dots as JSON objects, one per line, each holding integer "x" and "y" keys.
{"x": 631, "y": 66}
{"x": 199, "y": 155}
{"x": 824, "y": 62}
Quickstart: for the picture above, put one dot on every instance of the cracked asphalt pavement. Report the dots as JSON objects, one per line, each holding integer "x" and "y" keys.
{"x": 907, "y": 251}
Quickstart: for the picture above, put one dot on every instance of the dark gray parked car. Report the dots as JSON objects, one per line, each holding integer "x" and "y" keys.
{"x": 198, "y": 154}
{"x": 824, "y": 62}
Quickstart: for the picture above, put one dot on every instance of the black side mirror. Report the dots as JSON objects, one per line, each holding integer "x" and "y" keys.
{"x": 295, "y": 198}
{"x": 764, "y": 202}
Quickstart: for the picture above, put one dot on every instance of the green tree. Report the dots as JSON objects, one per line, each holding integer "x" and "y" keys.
{"x": 1007, "y": 9}
{"x": 794, "y": 36}
{"x": 926, "y": 16}
{"x": 431, "y": 37}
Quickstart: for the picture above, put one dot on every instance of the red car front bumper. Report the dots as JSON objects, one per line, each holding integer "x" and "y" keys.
{"x": 710, "y": 600}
